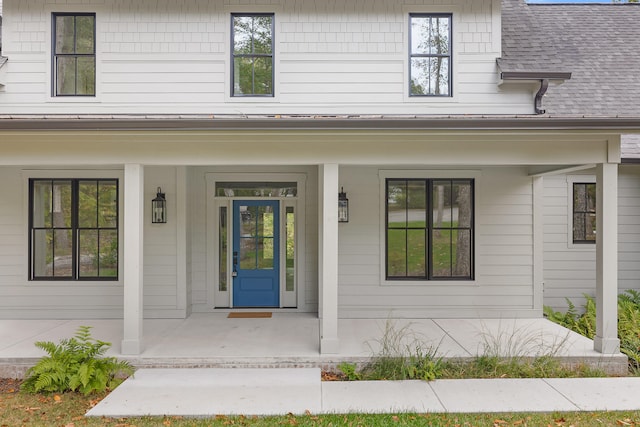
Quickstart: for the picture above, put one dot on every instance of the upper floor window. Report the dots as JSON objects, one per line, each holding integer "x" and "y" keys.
{"x": 430, "y": 55}
{"x": 74, "y": 54}
{"x": 252, "y": 57}
{"x": 584, "y": 212}
{"x": 429, "y": 229}
{"x": 73, "y": 229}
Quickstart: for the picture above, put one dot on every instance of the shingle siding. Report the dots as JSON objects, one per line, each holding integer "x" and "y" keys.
{"x": 347, "y": 57}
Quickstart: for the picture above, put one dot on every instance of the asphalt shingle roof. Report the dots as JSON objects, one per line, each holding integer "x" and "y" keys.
{"x": 598, "y": 43}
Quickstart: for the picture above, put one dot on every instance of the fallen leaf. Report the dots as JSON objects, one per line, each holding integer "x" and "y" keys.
{"x": 70, "y": 425}
{"x": 395, "y": 418}
{"x": 625, "y": 422}
{"x": 57, "y": 398}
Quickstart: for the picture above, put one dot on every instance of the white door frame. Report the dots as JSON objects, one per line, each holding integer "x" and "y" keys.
{"x": 291, "y": 301}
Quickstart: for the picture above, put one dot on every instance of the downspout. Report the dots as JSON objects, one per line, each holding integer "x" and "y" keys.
{"x": 543, "y": 77}
{"x": 544, "y": 85}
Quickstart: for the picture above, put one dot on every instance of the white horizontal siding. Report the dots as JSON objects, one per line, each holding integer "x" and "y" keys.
{"x": 569, "y": 270}
{"x": 21, "y": 298}
{"x": 503, "y": 260}
{"x": 345, "y": 57}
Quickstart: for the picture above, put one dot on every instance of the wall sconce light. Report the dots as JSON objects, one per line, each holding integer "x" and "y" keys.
{"x": 343, "y": 206}
{"x": 159, "y": 208}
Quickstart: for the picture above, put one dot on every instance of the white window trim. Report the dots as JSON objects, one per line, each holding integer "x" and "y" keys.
{"x": 383, "y": 175}
{"x": 455, "y": 55}
{"x": 79, "y": 174}
{"x": 68, "y": 8}
{"x": 213, "y": 205}
{"x": 277, "y": 13}
{"x": 571, "y": 179}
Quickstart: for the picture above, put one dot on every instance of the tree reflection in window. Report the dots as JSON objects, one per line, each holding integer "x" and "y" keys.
{"x": 74, "y": 56}
{"x": 74, "y": 229}
{"x": 429, "y": 226}
{"x": 584, "y": 213}
{"x": 430, "y": 55}
{"x": 252, "y": 41}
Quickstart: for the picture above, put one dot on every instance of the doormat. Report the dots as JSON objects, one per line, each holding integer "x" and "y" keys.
{"x": 249, "y": 315}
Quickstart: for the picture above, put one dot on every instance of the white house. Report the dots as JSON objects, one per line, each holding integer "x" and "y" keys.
{"x": 250, "y": 118}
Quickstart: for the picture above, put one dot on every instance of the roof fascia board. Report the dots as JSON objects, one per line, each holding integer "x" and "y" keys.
{"x": 461, "y": 123}
{"x": 534, "y": 75}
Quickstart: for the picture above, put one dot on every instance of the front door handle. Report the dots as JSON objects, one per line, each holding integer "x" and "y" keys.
{"x": 234, "y": 273}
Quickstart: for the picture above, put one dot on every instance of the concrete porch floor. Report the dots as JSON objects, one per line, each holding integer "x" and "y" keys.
{"x": 292, "y": 340}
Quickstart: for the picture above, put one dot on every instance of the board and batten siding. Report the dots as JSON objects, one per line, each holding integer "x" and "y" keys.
{"x": 504, "y": 258}
{"x": 347, "y": 57}
{"x": 24, "y": 299}
{"x": 570, "y": 270}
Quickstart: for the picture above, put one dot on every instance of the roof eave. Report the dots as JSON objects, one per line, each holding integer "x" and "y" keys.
{"x": 327, "y": 123}
{"x": 534, "y": 75}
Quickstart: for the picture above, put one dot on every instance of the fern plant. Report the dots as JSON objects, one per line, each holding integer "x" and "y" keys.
{"x": 628, "y": 323}
{"x": 76, "y": 364}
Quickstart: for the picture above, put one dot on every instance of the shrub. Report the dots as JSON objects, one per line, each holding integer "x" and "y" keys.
{"x": 628, "y": 323}
{"x": 349, "y": 371}
{"x": 401, "y": 355}
{"x": 76, "y": 364}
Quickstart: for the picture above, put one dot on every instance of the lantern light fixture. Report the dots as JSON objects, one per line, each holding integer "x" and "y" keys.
{"x": 343, "y": 206}
{"x": 159, "y": 208}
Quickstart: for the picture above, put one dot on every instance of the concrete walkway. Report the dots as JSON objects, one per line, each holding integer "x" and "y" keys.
{"x": 204, "y": 392}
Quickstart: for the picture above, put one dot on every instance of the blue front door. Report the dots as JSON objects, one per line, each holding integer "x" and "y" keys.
{"x": 256, "y": 253}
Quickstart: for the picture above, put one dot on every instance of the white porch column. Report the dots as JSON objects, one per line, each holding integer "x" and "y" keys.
{"x": 606, "y": 339}
{"x": 538, "y": 243}
{"x": 328, "y": 262}
{"x": 133, "y": 258}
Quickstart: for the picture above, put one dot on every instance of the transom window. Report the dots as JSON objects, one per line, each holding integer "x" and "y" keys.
{"x": 74, "y": 54}
{"x": 252, "y": 54}
{"x": 429, "y": 229}
{"x": 73, "y": 229}
{"x": 584, "y": 212}
{"x": 430, "y": 55}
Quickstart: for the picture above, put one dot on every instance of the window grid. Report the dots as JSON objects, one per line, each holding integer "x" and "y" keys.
{"x": 430, "y": 230}
{"x": 73, "y": 227}
{"x": 584, "y": 212}
{"x": 76, "y": 57}
{"x": 442, "y": 55}
{"x": 253, "y": 57}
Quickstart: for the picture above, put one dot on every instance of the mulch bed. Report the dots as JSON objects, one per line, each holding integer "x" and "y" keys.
{"x": 333, "y": 376}
{"x": 9, "y": 385}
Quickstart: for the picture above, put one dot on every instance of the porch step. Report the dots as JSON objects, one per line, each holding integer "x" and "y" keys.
{"x": 614, "y": 365}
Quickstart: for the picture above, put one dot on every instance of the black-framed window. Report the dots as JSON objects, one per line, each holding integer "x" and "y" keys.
{"x": 252, "y": 60}
{"x": 429, "y": 229}
{"x": 430, "y": 54}
{"x": 584, "y": 212}
{"x": 74, "y": 54}
{"x": 73, "y": 229}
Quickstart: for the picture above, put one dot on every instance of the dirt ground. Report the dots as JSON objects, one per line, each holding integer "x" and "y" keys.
{"x": 9, "y": 385}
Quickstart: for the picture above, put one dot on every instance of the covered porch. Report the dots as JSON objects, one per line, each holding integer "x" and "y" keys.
{"x": 291, "y": 340}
